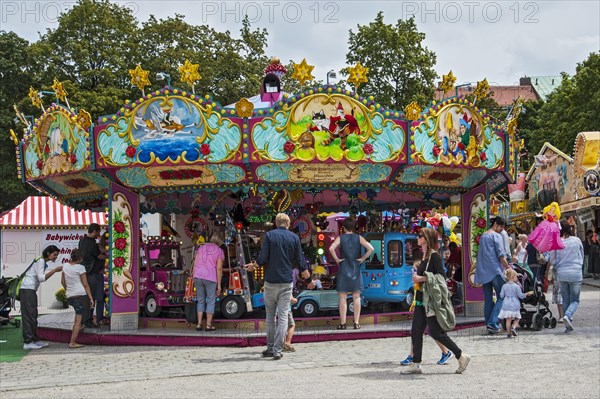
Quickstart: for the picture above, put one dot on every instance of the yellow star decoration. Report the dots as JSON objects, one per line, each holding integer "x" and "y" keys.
{"x": 482, "y": 89}
{"x": 512, "y": 126}
{"x": 244, "y": 108}
{"x": 358, "y": 75}
{"x": 302, "y": 71}
{"x": 413, "y": 111}
{"x": 84, "y": 119}
{"x": 59, "y": 90}
{"x": 448, "y": 82}
{"x": 189, "y": 72}
{"x": 139, "y": 77}
{"x": 35, "y": 99}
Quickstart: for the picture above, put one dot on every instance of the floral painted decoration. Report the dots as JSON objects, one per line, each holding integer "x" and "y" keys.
{"x": 368, "y": 149}
{"x": 121, "y": 239}
{"x": 130, "y": 151}
{"x": 478, "y": 227}
{"x": 84, "y": 119}
{"x": 180, "y": 174}
{"x": 205, "y": 149}
{"x": 244, "y": 108}
{"x": 413, "y": 111}
{"x": 289, "y": 147}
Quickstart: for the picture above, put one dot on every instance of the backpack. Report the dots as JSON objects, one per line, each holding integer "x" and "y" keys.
{"x": 13, "y": 285}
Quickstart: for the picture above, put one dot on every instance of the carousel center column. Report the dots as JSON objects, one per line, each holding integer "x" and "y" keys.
{"x": 124, "y": 251}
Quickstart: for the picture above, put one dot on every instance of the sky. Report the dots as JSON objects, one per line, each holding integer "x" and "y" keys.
{"x": 498, "y": 40}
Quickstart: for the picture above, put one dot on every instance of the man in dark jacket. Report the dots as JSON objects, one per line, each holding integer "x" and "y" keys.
{"x": 90, "y": 252}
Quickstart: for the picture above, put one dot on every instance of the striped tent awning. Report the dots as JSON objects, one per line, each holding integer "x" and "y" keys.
{"x": 47, "y": 212}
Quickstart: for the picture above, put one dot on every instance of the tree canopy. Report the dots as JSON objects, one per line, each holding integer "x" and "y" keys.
{"x": 400, "y": 67}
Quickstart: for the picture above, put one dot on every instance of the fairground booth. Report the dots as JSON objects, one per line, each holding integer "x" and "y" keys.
{"x": 323, "y": 149}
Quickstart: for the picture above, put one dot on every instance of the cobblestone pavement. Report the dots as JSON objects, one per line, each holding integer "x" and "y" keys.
{"x": 547, "y": 363}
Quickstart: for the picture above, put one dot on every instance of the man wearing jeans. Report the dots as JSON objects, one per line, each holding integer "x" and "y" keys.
{"x": 491, "y": 263}
{"x": 280, "y": 250}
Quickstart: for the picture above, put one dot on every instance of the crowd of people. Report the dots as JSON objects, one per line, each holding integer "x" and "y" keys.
{"x": 565, "y": 257}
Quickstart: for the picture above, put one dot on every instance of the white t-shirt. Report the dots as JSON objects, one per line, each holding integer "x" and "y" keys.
{"x": 72, "y": 275}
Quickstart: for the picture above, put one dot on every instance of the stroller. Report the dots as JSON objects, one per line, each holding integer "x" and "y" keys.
{"x": 539, "y": 315}
{"x": 5, "y": 306}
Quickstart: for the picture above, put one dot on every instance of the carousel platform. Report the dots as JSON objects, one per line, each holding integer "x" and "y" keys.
{"x": 243, "y": 332}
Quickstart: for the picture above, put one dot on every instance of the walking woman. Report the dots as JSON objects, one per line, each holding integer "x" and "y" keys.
{"x": 568, "y": 263}
{"x": 29, "y": 301}
{"x": 432, "y": 263}
{"x": 348, "y": 277}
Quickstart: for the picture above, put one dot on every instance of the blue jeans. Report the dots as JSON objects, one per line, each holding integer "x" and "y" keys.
{"x": 491, "y": 310}
{"x": 570, "y": 294}
{"x": 277, "y": 305}
{"x": 206, "y": 293}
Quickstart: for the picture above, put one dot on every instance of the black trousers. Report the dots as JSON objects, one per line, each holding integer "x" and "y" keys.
{"x": 29, "y": 315}
{"x": 420, "y": 321}
{"x": 96, "y": 283}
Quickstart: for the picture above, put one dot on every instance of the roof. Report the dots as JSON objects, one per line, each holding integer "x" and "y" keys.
{"x": 548, "y": 146}
{"x": 503, "y": 95}
{"x": 544, "y": 85}
{"x": 47, "y": 212}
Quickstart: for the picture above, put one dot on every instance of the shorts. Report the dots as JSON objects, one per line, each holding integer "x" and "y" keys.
{"x": 291, "y": 322}
{"x": 79, "y": 303}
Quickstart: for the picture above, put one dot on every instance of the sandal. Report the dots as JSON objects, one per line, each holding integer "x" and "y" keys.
{"x": 75, "y": 346}
{"x": 341, "y": 327}
{"x": 210, "y": 328}
{"x": 198, "y": 328}
{"x": 356, "y": 326}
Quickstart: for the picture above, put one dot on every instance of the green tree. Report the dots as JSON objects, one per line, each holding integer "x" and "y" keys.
{"x": 14, "y": 84}
{"x": 400, "y": 67}
{"x": 570, "y": 109}
{"x": 90, "y": 51}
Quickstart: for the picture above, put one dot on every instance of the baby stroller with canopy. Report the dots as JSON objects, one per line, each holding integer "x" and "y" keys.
{"x": 535, "y": 311}
{"x": 5, "y": 306}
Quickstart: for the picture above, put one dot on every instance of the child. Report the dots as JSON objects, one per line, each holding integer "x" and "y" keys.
{"x": 511, "y": 307}
{"x": 287, "y": 344}
{"x": 74, "y": 280}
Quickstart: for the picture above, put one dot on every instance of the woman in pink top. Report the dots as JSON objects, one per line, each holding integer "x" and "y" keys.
{"x": 208, "y": 269}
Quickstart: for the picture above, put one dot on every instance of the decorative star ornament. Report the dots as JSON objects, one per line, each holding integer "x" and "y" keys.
{"x": 139, "y": 77}
{"x": 448, "y": 82}
{"x": 302, "y": 71}
{"x": 189, "y": 73}
{"x": 358, "y": 75}
{"x": 35, "y": 99}
{"x": 482, "y": 89}
{"x": 413, "y": 111}
{"x": 59, "y": 90}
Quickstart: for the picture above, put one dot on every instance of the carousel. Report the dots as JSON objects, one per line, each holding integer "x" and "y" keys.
{"x": 324, "y": 149}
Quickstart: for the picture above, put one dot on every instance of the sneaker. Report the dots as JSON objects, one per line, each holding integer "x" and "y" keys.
{"x": 463, "y": 362}
{"x": 408, "y": 361}
{"x": 492, "y": 330}
{"x": 568, "y": 323}
{"x": 509, "y": 336}
{"x": 445, "y": 357}
{"x": 267, "y": 353}
{"x": 31, "y": 345}
{"x": 513, "y": 332}
{"x": 413, "y": 368}
{"x": 43, "y": 344}
{"x": 288, "y": 348}
{"x": 277, "y": 356}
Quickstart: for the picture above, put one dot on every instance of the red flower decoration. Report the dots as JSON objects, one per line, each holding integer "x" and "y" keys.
{"x": 119, "y": 227}
{"x": 482, "y": 156}
{"x": 289, "y": 147}
{"x": 205, "y": 149}
{"x": 130, "y": 151}
{"x": 120, "y": 243}
{"x": 39, "y": 164}
{"x": 480, "y": 223}
{"x": 119, "y": 262}
{"x": 73, "y": 159}
{"x": 461, "y": 146}
{"x": 477, "y": 239}
{"x": 436, "y": 151}
{"x": 368, "y": 149}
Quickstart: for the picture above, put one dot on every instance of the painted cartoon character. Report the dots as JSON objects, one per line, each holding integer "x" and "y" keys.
{"x": 341, "y": 126}
{"x": 546, "y": 236}
{"x": 320, "y": 122}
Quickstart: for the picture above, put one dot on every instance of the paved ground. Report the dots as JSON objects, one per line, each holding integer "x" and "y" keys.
{"x": 540, "y": 364}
